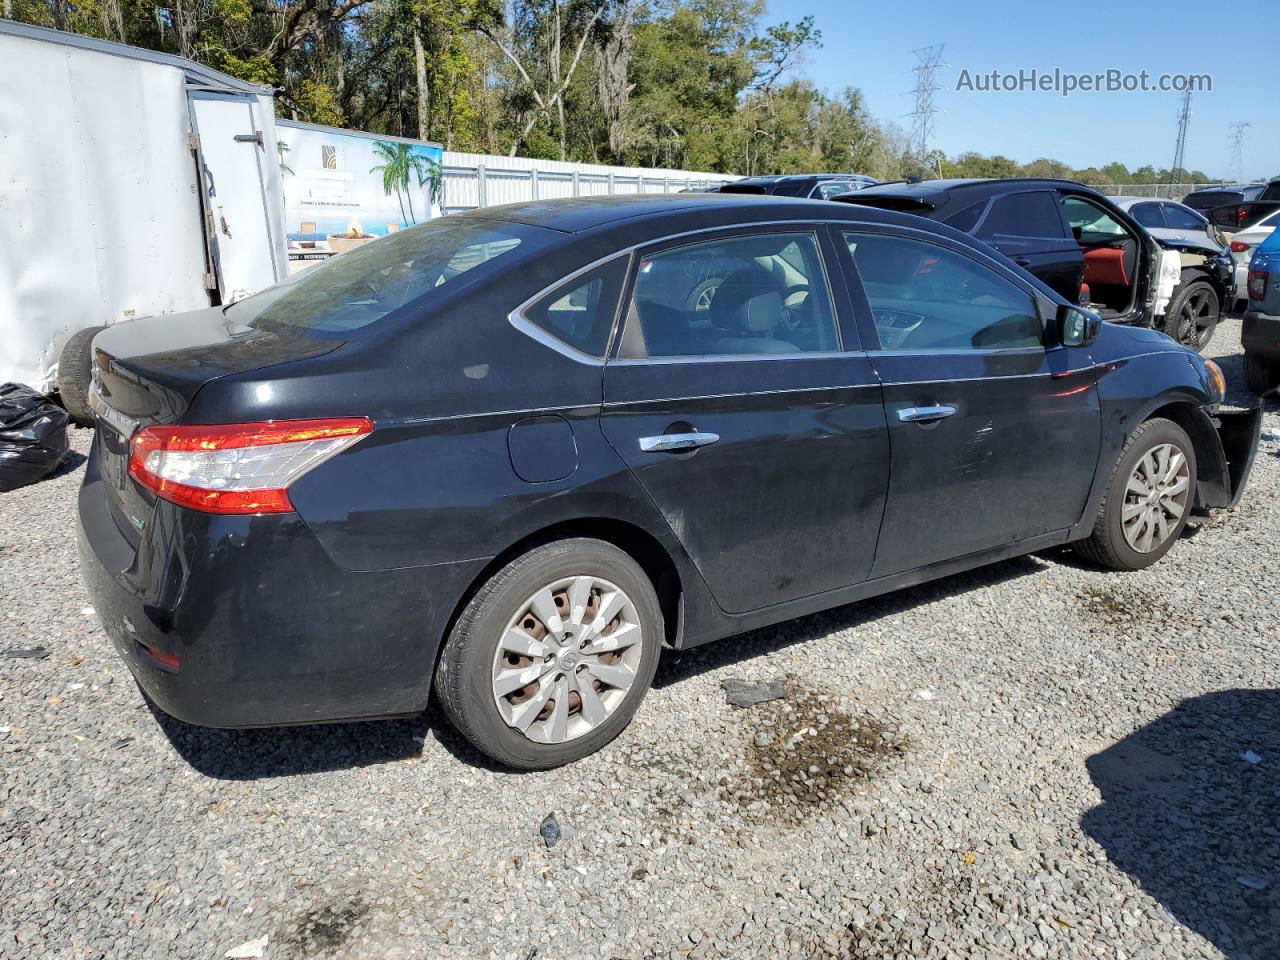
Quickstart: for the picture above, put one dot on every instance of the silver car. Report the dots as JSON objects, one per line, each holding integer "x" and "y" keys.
{"x": 1167, "y": 220}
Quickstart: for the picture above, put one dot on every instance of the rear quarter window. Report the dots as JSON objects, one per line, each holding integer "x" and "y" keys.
{"x": 580, "y": 312}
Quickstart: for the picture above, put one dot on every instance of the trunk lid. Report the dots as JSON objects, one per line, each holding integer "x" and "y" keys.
{"x": 147, "y": 371}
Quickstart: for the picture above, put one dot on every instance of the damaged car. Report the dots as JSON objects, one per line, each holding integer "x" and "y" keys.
{"x": 1083, "y": 245}
{"x": 506, "y": 458}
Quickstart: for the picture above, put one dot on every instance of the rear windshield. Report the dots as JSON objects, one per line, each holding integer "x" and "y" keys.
{"x": 362, "y": 286}
{"x": 884, "y": 202}
{"x": 1201, "y": 201}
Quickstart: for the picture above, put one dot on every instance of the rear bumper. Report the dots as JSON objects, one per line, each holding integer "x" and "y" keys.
{"x": 266, "y": 629}
{"x": 1260, "y": 334}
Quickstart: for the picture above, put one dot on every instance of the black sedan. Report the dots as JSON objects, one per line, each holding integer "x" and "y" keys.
{"x": 514, "y": 453}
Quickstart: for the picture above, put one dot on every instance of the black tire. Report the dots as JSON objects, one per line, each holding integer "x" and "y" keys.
{"x": 464, "y": 675}
{"x": 1107, "y": 546}
{"x": 1259, "y": 375}
{"x": 75, "y": 370}
{"x": 1193, "y": 332}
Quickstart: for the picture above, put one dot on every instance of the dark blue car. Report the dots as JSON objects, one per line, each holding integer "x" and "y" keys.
{"x": 511, "y": 455}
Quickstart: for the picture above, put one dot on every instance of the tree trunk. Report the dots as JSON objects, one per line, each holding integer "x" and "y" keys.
{"x": 8, "y": 9}
{"x": 424, "y": 93}
{"x": 61, "y": 12}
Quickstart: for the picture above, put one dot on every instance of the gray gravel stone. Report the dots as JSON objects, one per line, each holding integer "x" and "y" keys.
{"x": 1100, "y": 717}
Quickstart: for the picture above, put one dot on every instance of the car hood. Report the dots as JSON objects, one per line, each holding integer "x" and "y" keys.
{"x": 1120, "y": 340}
{"x": 1191, "y": 243}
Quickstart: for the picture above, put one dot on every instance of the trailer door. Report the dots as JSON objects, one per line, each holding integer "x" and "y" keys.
{"x": 232, "y": 157}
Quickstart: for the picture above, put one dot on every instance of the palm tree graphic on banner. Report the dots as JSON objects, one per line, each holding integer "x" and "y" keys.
{"x": 400, "y": 166}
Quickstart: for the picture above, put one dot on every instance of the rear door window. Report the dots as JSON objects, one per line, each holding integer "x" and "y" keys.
{"x": 762, "y": 294}
{"x": 1148, "y": 214}
{"x": 1024, "y": 215}
{"x": 1178, "y": 219}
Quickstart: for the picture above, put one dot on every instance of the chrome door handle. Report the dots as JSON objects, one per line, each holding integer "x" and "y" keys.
{"x": 925, "y": 414}
{"x": 676, "y": 441}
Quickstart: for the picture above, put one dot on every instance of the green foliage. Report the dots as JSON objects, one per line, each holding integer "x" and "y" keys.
{"x": 698, "y": 84}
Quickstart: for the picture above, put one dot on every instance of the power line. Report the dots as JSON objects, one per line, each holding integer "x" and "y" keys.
{"x": 1236, "y": 168}
{"x": 927, "y": 62}
{"x": 1184, "y": 117}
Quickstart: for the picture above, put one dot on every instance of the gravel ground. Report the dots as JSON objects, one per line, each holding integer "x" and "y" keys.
{"x": 1032, "y": 760}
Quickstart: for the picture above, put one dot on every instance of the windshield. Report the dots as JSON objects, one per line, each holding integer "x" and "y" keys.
{"x": 357, "y": 288}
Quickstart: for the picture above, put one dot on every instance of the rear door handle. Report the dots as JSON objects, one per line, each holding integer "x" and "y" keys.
{"x": 677, "y": 441}
{"x": 1022, "y": 261}
{"x": 925, "y": 414}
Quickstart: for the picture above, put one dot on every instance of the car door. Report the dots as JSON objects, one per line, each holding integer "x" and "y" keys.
{"x": 233, "y": 176}
{"x": 750, "y": 417}
{"x": 993, "y": 429}
{"x": 1027, "y": 227}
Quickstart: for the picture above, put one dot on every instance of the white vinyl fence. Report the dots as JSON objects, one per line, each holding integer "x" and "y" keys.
{"x": 473, "y": 180}
{"x": 1163, "y": 191}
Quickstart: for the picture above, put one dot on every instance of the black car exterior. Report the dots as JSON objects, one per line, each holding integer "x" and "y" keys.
{"x": 513, "y": 456}
{"x": 1236, "y": 206}
{"x": 1079, "y": 243}
{"x": 812, "y": 186}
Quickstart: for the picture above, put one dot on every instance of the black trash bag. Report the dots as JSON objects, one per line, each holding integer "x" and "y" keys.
{"x": 33, "y": 436}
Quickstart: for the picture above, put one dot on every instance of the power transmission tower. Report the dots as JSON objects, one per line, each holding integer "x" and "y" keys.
{"x": 1184, "y": 116}
{"x": 928, "y": 59}
{"x": 1236, "y": 167}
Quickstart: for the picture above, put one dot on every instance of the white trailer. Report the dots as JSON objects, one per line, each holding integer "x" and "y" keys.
{"x": 132, "y": 183}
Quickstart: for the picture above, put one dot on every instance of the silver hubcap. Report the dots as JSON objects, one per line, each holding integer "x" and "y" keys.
{"x": 1156, "y": 497}
{"x": 567, "y": 659}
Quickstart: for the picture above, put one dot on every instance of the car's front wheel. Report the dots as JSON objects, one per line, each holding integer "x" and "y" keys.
{"x": 550, "y": 659}
{"x": 1148, "y": 500}
{"x": 1192, "y": 315}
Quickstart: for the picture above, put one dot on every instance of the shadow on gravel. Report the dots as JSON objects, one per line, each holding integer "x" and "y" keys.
{"x": 1191, "y": 810}
{"x": 321, "y": 748}
{"x": 289, "y": 751}
{"x": 676, "y": 666}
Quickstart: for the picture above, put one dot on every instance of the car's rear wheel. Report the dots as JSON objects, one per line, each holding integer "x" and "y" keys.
{"x": 1193, "y": 315}
{"x": 550, "y": 659}
{"x": 1148, "y": 499}
{"x": 1259, "y": 375}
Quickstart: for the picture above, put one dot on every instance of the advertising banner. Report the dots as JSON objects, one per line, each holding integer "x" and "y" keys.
{"x": 343, "y": 186}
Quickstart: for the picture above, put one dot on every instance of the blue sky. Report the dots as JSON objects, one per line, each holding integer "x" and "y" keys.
{"x": 869, "y": 45}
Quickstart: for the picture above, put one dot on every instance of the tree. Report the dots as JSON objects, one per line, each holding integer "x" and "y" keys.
{"x": 521, "y": 40}
{"x": 401, "y": 164}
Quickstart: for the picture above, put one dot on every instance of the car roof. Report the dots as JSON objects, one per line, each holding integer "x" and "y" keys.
{"x": 798, "y": 177}
{"x": 1124, "y": 203}
{"x": 925, "y": 188}
{"x": 580, "y": 214}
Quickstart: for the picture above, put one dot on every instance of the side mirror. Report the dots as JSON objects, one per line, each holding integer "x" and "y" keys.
{"x": 1076, "y": 327}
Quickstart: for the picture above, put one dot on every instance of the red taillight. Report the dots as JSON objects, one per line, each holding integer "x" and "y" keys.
{"x": 1258, "y": 284}
{"x": 237, "y": 468}
{"x": 1239, "y": 246}
{"x": 1241, "y": 213}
